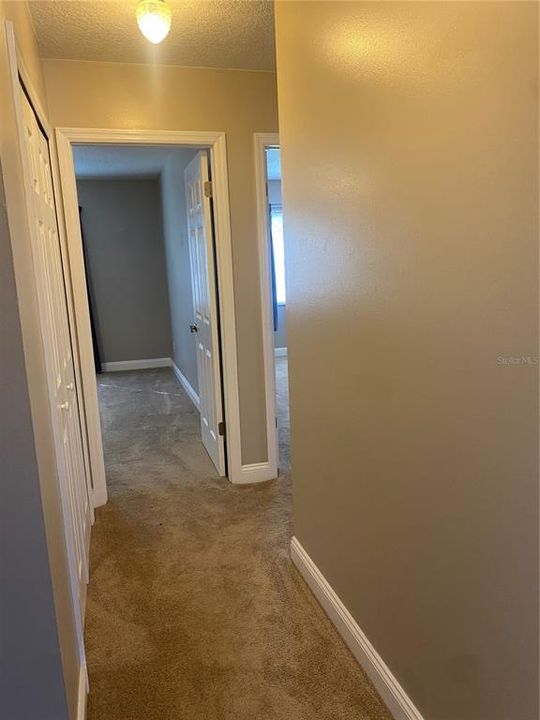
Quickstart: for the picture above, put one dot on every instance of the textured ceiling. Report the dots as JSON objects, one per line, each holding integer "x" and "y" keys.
{"x": 220, "y": 33}
{"x": 111, "y": 161}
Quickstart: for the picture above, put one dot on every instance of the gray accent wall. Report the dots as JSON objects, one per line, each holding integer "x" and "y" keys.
{"x": 280, "y": 335}
{"x": 123, "y": 234}
{"x": 274, "y": 192}
{"x": 178, "y": 263}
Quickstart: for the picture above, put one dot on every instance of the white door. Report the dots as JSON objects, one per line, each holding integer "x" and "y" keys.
{"x": 203, "y": 278}
{"x": 51, "y": 291}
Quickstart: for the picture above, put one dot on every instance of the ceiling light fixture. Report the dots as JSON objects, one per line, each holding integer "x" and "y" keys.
{"x": 154, "y": 19}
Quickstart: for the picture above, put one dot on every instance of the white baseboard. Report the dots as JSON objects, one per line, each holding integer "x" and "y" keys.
{"x": 82, "y": 694}
{"x": 184, "y": 382}
{"x": 394, "y": 696}
{"x": 280, "y": 352}
{"x": 256, "y": 472}
{"x": 136, "y": 364}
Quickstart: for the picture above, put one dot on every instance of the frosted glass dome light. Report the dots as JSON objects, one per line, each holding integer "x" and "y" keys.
{"x": 154, "y": 19}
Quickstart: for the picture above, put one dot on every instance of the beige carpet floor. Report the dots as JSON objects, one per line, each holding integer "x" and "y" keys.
{"x": 195, "y": 611}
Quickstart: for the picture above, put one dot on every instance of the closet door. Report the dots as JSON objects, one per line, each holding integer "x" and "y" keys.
{"x": 51, "y": 292}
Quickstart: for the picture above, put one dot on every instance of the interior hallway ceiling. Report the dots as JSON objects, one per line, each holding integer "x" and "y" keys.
{"x": 125, "y": 161}
{"x": 217, "y": 33}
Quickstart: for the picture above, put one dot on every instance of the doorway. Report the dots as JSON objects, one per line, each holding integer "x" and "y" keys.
{"x": 279, "y": 301}
{"x": 213, "y": 197}
{"x": 273, "y": 297}
{"x": 147, "y": 239}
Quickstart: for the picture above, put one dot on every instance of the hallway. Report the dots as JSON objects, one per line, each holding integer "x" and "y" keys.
{"x": 194, "y": 608}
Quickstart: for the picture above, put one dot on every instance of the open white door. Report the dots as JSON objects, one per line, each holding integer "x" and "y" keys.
{"x": 55, "y": 332}
{"x": 203, "y": 278}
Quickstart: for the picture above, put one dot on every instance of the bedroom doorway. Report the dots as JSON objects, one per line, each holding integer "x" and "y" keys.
{"x": 208, "y": 212}
{"x": 272, "y": 258}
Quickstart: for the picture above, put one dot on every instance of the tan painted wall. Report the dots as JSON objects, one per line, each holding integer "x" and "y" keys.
{"x": 410, "y": 150}
{"x": 34, "y": 582}
{"x": 114, "y": 95}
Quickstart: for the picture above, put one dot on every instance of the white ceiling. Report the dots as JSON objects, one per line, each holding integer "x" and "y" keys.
{"x": 273, "y": 164}
{"x": 204, "y": 33}
{"x": 111, "y": 161}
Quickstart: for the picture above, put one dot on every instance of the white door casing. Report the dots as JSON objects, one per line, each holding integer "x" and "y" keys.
{"x": 51, "y": 291}
{"x": 66, "y": 139}
{"x": 203, "y": 277}
{"x": 263, "y": 141}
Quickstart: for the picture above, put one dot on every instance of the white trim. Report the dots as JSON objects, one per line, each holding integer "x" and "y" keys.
{"x": 261, "y": 142}
{"x": 224, "y": 265}
{"x": 215, "y": 141}
{"x": 395, "y": 697}
{"x": 120, "y": 365}
{"x": 82, "y": 695}
{"x": 75, "y": 266}
{"x": 186, "y": 385}
{"x": 280, "y": 352}
{"x": 256, "y": 472}
{"x": 94, "y": 465}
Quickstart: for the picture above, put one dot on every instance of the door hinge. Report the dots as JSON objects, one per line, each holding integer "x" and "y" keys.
{"x": 208, "y": 189}
{"x": 276, "y": 421}
{"x": 221, "y": 428}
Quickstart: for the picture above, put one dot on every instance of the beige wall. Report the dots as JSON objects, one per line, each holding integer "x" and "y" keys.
{"x": 34, "y": 647}
{"x": 409, "y": 152}
{"x": 175, "y": 232}
{"x": 114, "y": 95}
{"x": 125, "y": 252}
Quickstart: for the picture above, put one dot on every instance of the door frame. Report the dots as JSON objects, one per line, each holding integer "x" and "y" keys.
{"x": 66, "y": 137}
{"x": 262, "y": 141}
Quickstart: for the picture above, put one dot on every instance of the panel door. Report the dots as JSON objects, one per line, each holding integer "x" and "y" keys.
{"x": 203, "y": 276}
{"x": 51, "y": 290}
